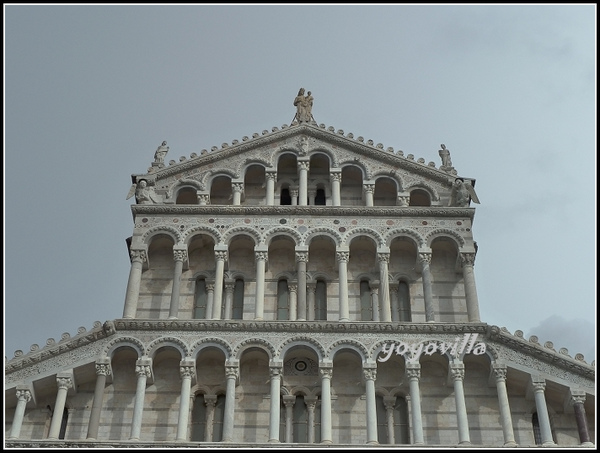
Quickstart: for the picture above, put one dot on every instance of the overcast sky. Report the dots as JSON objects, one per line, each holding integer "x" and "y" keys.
{"x": 92, "y": 90}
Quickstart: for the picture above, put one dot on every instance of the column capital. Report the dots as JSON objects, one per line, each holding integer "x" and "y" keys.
{"x": 303, "y": 165}
{"x": 335, "y": 177}
{"x": 275, "y": 371}
{"x": 237, "y": 186}
{"x": 302, "y": 256}
{"x": 292, "y": 287}
{"x": 467, "y": 259}
{"x": 369, "y": 187}
{"x": 413, "y": 370}
{"x": 325, "y": 371}
{"x": 370, "y": 374}
{"x": 210, "y": 400}
{"x": 138, "y": 256}
{"x": 103, "y": 369}
{"x": 187, "y": 368}
{"x": 64, "y": 382}
{"x": 403, "y": 200}
{"x": 538, "y": 383}
{"x": 261, "y": 256}
{"x": 288, "y": 400}
{"x": 271, "y": 175}
{"x": 24, "y": 395}
{"x": 425, "y": 257}
{"x": 342, "y": 256}
{"x": 383, "y": 257}
{"x": 220, "y": 255}
{"x": 576, "y": 397}
{"x": 457, "y": 371}
{"x": 179, "y": 254}
{"x": 232, "y": 369}
{"x": 389, "y": 402}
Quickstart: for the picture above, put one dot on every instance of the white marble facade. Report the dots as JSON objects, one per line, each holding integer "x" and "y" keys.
{"x": 275, "y": 286}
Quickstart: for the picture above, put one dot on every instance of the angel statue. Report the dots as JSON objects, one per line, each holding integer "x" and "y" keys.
{"x": 143, "y": 193}
{"x": 462, "y": 193}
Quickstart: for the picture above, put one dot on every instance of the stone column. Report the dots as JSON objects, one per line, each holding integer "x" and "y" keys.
{"x": 294, "y": 195}
{"x": 210, "y": 299}
{"x": 311, "y": 403}
{"x": 336, "y": 177}
{"x": 179, "y": 256}
{"x": 326, "y": 371}
{"x": 425, "y": 260}
{"x": 261, "y": 260}
{"x": 102, "y": 371}
{"x": 231, "y": 373}
{"x": 312, "y": 194}
{"x": 375, "y": 300}
{"x": 413, "y": 372}
{"x": 270, "y": 176}
{"x": 369, "y": 189}
{"x": 138, "y": 257}
{"x": 303, "y": 186}
{"x": 229, "y": 287}
{"x": 342, "y": 258}
{"x": 23, "y": 397}
{"x": 457, "y": 373}
{"x": 288, "y": 402}
{"x": 210, "y": 402}
{"x": 203, "y": 199}
{"x": 389, "y": 402}
{"x": 467, "y": 261}
{"x": 505, "y": 415}
{"x": 576, "y": 399}
{"x": 370, "y": 374}
{"x": 293, "y": 290}
{"x": 384, "y": 294}
{"x": 301, "y": 261}
{"x": 310, "y": 292}
{"x": 187, "y": 369}
{"x": 64, "y": 384}
{"x": 394, "y": 302}
{"x": 275, "y": 369}
{"x": 539, "y": 385}
{"x": 220, "y": 256}
{"x": 143, "y": 371}
{"x": 238, "y": 188}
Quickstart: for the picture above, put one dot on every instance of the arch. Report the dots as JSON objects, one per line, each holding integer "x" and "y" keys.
{"x": 208, "y": 231}
{"x": 380, "y": 173}
{"x": 242, "y": 231}
{"x": 182, "y": 183}
{"x": 353, "y": 345}
{"x": 446, "y": 233}
{"x": 283, "y": 231}
{"x": 209, "y": 342}
{"x": 216, "y": 172}
{"x": 368, "y": 232}
{"x": 254, "y": 343}
{"x": 329, "y": 154}
{"x": 158, "y": 230}
{"x": 308, "y": 342}
{"x": 323, "y": 231}
{"x": 355, "y": 163}
{"x": 257, "y": 160}
{"x": 301, "y": 390}
{"x": 173, "y": 342}
{"x": 426, "y": 187}
{"x": 119, "y": 342}
{"x": 412, "y": 235}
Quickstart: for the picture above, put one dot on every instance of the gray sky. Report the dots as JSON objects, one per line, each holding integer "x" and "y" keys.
{"x": 92, "y": 90}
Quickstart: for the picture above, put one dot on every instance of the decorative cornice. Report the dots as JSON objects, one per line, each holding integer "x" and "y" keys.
{"x": 286, "y": 210}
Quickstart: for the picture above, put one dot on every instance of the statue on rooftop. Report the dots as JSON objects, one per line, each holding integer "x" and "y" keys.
{"x": 161, "y": 152}
{"x": 445, "y": 155}
{"x": 303, "y": 105}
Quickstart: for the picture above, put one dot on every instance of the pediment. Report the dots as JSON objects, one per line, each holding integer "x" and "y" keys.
{"x": 302, "y": 142}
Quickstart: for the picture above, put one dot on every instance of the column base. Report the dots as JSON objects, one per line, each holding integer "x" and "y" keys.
{"x": 372, "y": 442}
{"x": 587, "y": 444}
{"x": 418, "y": 443}
{"x": 510, "y": 444}
{"x": 274, "y": 441}
{"x": 465, "y": 442}
{"x": 549, "y": 444}
{"x": 172, "y": 317}
{"x": 344, "y": 319}
{"x": 259, "y": 319}
{"x": 328, "y": 442}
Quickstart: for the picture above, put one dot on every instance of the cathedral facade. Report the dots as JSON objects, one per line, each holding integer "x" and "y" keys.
{"x": 300, "y": 286}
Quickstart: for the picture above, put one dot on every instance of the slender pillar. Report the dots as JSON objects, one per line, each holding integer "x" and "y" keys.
{"x": 413, "y": 372}
{"x": 384, "y": 293}
{"x": 369, "y": 189}
{"x": 457, "y": 372}
{"x": 293, "y": 290}
{"x": 539, "y": 385}
{"x": 288, "y": 402}
{"x": 576, "y": 399}
{"x": 294, "y": 195}
{"x": 394, "y": 302}
{"x": 301, "y": 262}
{"x": 336, "y": 178}
{"x": 229, "y": 287}
{"x": 505, "y": 416}
{"x": 370, "y": 374}
{"x": 467, "y": 261}
{"x": 375, "y": 300}
{"x": 270, "y": 196}
{"x": 303, "y": 186}
{"x": 231, "y": 373}
{"x": 220, "y": 256}
{"x": 389, "y": 402}
{"x": 210, "y": 401}
{"x": 342, "y": 258}
{"x": 138, "y": 257}
{"x": 64, "y": 384}
{"x": 261, "y": 260}
{"x": 425, "y": 260}
{"x": 102, "y": 371}
{"x": 187, "y": 369}
{"x": 311, "y": 403}
{"x": 143, "y": 372}
{"x": 275, "y": 369}
{"x": 310, "y": 300}
{"x": 179, "y": 256}
{"x": 326, "y": 371}
{"x": 210, "y": 298}
{"x": 23, "y": 397}
{"x": 238, "y": 188}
